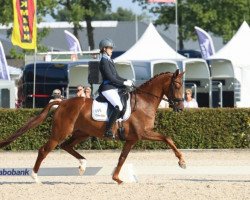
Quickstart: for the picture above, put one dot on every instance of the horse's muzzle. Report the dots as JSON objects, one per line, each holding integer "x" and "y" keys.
{"x": 177, "y": 109}
{"x": 178, "y": 105}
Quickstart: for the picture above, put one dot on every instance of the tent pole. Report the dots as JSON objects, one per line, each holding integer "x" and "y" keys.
{"x": 136, "y": 28}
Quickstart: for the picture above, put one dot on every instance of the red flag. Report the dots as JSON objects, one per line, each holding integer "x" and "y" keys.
{"x": 161, "y": 1}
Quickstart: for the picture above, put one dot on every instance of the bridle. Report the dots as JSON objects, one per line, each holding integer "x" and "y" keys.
{"x": 173, "y": 101}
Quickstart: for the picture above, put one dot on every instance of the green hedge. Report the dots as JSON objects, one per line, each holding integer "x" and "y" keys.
{"x": 190, "y": 129}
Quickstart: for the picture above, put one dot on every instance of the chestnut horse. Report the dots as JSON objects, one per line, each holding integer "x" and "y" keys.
{"x": 73, "y": 117}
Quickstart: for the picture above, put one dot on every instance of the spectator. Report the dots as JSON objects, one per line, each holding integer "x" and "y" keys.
{"x": 87, "y": 92}
{"x": 56, "y": 94}
{"x": 190, "y": 102}
{"x": 80, "y": 91}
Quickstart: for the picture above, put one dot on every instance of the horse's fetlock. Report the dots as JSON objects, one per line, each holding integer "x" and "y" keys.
{"x": 122, "y": 158}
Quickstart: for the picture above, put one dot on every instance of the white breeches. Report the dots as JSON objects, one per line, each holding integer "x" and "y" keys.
{"x": 113, "y": 97}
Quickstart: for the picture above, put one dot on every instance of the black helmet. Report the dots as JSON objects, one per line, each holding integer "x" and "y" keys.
{"x": 106, "y": 43}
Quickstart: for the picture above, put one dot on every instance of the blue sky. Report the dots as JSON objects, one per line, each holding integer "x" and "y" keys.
{"x": 128, "y": 4}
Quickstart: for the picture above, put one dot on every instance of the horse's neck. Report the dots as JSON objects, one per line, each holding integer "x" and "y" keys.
{"x": 151, "y": 94}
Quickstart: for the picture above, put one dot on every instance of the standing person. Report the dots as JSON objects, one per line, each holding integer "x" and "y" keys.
{"x": 80, "y": 91}
{"x": 190, "y": 102}
{"x": 57, "y": 96}
{"x": 111, "y": 82}
{"x": 87, "y": 92}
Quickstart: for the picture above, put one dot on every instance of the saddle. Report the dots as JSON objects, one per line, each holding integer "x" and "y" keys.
{"x": 101, "y": 108}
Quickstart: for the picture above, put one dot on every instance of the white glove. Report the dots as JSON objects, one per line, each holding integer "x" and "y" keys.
{"x": 128, "y": 83}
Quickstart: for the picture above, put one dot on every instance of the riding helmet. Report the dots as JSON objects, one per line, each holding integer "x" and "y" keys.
{"x": 106, "y": 43}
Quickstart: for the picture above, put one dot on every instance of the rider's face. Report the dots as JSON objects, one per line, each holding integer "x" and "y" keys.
{"x": 109, "y": 50}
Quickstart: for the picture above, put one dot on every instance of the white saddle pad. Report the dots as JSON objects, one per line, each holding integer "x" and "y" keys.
{"x": 99, "y": 111}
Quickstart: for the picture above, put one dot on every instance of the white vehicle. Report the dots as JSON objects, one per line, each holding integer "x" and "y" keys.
{"x": 7, "y": 94}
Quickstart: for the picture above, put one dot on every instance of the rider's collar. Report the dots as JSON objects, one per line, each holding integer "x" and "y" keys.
{"x": 106, "y": 56}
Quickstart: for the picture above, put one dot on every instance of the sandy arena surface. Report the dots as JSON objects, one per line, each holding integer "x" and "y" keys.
{"x": 210, "y": 174}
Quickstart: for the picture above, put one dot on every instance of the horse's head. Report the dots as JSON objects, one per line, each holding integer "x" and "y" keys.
{"x": 175, "y": 91}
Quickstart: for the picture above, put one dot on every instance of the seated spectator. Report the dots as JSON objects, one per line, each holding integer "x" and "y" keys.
{"x": 189, "y": 101}
{"x": 87, "y": 92}
{"x": 80, "y": 91}
{"x": 56, "y": 94}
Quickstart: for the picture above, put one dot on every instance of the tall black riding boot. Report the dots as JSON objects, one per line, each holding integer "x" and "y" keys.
{"x": 113, "y": 117}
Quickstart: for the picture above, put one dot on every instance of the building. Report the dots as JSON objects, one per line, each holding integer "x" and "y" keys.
{"x": 123, "y": 33}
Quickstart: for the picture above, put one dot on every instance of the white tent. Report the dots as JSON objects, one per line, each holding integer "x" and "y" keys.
{"x": 237, "y": 49}
{"x": 150, "y": 46}
{"x": 151, "y": 55}
{"x": 232, "y": 65}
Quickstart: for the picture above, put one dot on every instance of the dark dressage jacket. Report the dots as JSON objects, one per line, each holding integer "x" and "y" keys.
{"x": 110, "y": 77}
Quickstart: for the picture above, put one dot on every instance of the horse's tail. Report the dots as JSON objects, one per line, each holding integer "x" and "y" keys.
{"x": 32, "y": 123}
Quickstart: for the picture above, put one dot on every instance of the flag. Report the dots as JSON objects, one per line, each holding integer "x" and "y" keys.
{"x": 24, "y": 27}
{"x": 161, "y": 1}
{"x": 72, "y": 41}
{"x": 206, "y": 43}
{"x": 4, "y": 70}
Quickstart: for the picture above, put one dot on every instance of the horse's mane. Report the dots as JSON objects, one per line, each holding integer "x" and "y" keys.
{"x": 150, "y": 80}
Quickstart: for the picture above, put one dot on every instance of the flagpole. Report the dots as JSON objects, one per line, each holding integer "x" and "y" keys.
{"x": 136, "y": 28}
{"x": 176, "y": 24}
{"x": 35, "y": 52}
{"x": 34, "y": 80}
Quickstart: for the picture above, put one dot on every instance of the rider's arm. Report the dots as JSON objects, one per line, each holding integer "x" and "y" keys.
{"x": 105, "y": 69}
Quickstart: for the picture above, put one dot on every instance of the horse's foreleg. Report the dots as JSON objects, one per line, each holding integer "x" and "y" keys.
{"x": 178, "y": 154}
{"x": 68, "y": 146}
{"x": 42, "y": 153}
{"x": 125, "y": 151}
{"x": 151, "y": 135}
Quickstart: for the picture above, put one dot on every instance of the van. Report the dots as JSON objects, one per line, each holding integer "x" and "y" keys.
{"x": 64, "y": 75}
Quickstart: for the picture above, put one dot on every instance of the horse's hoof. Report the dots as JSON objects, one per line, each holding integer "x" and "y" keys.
{"x": 118, "y": 181}
{"x": 182, "y": 164}
{"x": 82, "y": 167}
{"x": 35, "y": 177}
{"x": 81, "y": 170}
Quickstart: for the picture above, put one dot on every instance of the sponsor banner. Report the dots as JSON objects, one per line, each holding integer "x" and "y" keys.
{"x": 24, "y": 27}
{"x": 50, "y": 171}
{"x": 15, "y": 172}
{"x": 73, "y": 42}
{"x": 4, "y": 69}
{"x": 205, "y": 42}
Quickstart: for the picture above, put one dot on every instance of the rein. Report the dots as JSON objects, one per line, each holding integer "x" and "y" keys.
{"x": 165, "y": 99}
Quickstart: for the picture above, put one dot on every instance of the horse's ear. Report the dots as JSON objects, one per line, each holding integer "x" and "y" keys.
{"x": 176, "y": 73}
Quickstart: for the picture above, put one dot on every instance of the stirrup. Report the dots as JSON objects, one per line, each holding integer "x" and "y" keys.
{"x": 108, "y": 134}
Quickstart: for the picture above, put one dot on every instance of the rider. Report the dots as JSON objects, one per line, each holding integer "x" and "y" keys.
{"x": 111, "y": 82}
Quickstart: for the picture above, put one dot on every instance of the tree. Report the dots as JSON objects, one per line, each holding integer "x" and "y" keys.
{"x": 43, "y": 8}
{"x": 76, "y": 11}
{"x": 222, "y": 17}
{"x": 120, "y": 15}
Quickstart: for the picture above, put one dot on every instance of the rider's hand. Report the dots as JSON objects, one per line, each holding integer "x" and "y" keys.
{"x": 128, "y": 83}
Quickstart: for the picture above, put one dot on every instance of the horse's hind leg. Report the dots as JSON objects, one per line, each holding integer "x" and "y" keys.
{"x": 42, "y": 153}
{"x": 68, "y": 145}
{"x": 151, "y": 135}
{"x": 125, "y": 151}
